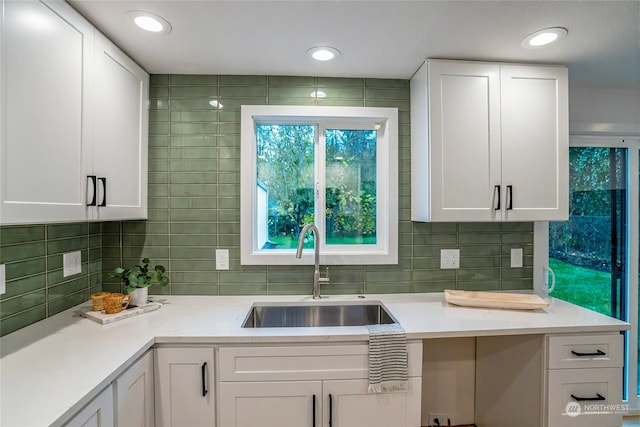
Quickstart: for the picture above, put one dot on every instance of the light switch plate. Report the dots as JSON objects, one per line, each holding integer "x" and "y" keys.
{"x": 71, "y": 263}
{"x": 3, "y": 280}
{"x": 516, "y": 257}
{"x": 222, "y": 259}
{"x": 449, "y": 258}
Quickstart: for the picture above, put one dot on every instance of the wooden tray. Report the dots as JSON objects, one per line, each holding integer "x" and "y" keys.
{"x": 494, "y": 300}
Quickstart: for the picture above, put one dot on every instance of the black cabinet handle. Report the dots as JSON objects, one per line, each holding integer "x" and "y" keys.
{"x": 204, "y": 379}
{"x": 585, "y": 399}
{"x": 496, "y": 195}
{"x": 313, "y": 411}
{"x": 509, "y": 197}
{"x": 330, "y": 411}
{"x": 597, "y": 353}
{"x": 104, "y": 191}
{"x": 92, "y": 179}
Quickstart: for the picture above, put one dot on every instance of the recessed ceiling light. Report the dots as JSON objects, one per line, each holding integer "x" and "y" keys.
{"x": 544, "y": 37}
{"x": 323, "y": 53}
{"x": 149, "y": 21}
{"x": 216, "y": 104}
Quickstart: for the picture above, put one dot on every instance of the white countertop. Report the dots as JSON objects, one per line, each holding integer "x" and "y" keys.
{"x": 50, "y": 370}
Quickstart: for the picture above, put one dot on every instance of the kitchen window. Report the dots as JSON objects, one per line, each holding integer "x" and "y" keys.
{"x": 335, "y": 167}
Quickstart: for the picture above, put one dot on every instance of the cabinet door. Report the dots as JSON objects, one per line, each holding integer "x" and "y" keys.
{"x": 271, "y": 404}
{"x": 348, "y": 403}
{"x": 535, "y": 142}
{"x": 184, "y": 385}
{"x": 46, "y": 67}
{"x": 98, "y": 413}
{"x": 464, "y": 114}
{"x": 120, "y": 133}
{"x": 134, "y": 394}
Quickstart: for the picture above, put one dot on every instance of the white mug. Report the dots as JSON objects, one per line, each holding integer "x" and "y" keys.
{"x": 548, "y": 288}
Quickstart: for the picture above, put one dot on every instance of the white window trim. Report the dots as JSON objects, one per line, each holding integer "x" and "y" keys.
{"x": 386, "y": 251}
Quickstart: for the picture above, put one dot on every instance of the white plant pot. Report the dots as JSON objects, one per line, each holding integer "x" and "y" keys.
{"x": 139, "y": 296}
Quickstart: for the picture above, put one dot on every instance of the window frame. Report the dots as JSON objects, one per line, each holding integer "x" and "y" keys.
{"x": 385, "y": 121}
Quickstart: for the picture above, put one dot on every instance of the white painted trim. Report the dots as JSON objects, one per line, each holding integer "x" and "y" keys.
{"x": 540, "y": 255}
{"x": 386, "y": 251}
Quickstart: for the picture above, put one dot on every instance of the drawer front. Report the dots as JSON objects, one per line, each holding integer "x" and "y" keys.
{"x": 311, "y": 362}
{"x": 586, "y": 351}
{"x": 603, "y": 388}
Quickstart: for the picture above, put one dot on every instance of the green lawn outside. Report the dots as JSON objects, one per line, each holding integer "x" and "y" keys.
{"x": 582, "y": 286}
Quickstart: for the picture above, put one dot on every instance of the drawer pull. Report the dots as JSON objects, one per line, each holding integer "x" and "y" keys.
{"x": 205, "y": 391}
{"x": 585, "y": 399}
{"x": 330, "y": 411}
{"x": 313, "y": 412}
{"x": 597, "y": 353}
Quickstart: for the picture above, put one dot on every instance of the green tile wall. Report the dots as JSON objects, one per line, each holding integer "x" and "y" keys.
{"x": 194, "y": 205}
{"x": 194, "y": 208}
{"x": 36, "y": 287}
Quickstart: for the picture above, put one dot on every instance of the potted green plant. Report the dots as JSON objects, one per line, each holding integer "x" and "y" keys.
{"x": 139, "y": 278}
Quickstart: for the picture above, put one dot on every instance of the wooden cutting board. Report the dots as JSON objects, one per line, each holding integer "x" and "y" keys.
{"x": 494, "y": 300}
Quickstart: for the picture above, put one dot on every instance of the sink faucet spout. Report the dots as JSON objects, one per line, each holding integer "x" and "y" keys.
{"x": 316, "y": 271}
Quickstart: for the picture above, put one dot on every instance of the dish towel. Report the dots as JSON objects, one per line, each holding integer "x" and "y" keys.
{"x": 388, "y": 365}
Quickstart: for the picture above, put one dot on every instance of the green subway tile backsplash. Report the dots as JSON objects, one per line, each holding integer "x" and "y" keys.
{"x": 194, "y": 209}
{"x": 202, "y": 209}
{"x": 36, "y": 287}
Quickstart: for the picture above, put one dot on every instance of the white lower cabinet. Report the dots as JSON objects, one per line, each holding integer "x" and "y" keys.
{"x": 270, "y": 403}
{"x": 135, "y": 394}
{"x": 98, "y": 413}
{"x": 313, "y": 385}
{"x": 348, "y": 403}
{"x": 184, "y": 387}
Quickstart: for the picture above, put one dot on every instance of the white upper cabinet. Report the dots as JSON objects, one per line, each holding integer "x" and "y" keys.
{"x": 120, "y": 133}
{"x": 489, "y": 142}
{"x": 45, "y": 146}
{"x": 60, "y": 127}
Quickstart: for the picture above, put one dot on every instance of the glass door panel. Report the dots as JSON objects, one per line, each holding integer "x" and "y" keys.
{"x": 588, "y": 252}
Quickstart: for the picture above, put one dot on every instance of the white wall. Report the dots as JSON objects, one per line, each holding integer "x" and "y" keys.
{"x": 604, "y": 111}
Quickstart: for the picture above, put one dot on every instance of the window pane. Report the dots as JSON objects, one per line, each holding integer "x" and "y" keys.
{"x": 350, "y": 187}
{"x": 285, "y": 199}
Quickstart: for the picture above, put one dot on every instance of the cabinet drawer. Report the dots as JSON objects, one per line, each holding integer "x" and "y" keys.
{"x": 309, "y": 362}
{"x": 586, "y": 351}
{"x": 605, "y": 384}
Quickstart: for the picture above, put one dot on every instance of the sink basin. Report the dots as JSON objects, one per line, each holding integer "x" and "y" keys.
{"x": 298, "y": 315}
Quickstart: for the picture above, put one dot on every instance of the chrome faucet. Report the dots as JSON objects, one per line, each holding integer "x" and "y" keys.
{"x": 316, "y": 272}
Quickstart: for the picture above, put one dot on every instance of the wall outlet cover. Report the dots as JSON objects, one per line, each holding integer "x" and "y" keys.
{"x": 449, "y": 258}
{"x": 71, "y": 263}
{"x": 3, "y": 280}
{"x": 439, "y": 419}
{"x": 516, "y": 257}
{"x": 222, "y": 259}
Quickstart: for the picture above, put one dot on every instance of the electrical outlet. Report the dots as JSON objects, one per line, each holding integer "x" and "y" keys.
{"x": 516, "y": 257}
{"x": 438, "y": 419}
{"x": 222, "y": 259}
{"x": 3, "y": 280}
{"x": 449, "y": 258}
{"x": 71, "y": 263}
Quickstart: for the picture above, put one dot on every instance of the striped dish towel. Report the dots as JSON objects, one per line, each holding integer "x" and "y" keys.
{"x": 388, "y": 365}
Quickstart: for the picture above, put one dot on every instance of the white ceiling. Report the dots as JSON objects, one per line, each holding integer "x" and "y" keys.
{"x": 378, "y": 39}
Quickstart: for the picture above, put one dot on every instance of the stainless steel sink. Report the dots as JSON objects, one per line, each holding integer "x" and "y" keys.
{"x": 316, "y": 315}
